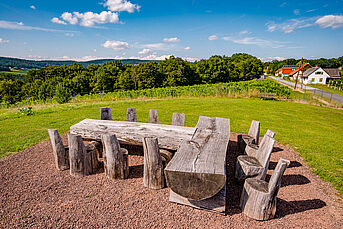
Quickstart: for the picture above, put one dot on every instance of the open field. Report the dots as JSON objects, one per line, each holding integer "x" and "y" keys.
{"x": 16, "y": 71}
{"x": 315, "y": 132}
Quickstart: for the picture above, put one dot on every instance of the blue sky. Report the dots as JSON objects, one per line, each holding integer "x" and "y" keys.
{"x": 152, "y": 29}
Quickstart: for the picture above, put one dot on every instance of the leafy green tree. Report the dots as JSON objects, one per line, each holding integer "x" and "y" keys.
{"x": 176, "y": 72}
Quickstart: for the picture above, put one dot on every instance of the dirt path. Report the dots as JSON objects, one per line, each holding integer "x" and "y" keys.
{"x": 35, "y": 195}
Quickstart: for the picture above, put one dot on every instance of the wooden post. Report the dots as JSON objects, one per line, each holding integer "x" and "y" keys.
{"x": 61, "y": 153}
{"x": 131, "y": 115}
{"x": 77, "y": 156}
{"x": 105, "y": 113}
{"x": 153, "y": 116}
{"x": 153, "y": 169}
{"x": 125, "y": 153}
{"x": 178, "y": 119}
{"x": 113, "y": 157}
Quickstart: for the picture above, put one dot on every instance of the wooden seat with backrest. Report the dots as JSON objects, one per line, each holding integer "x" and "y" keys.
{"x": 251, "y": 148}
{"x": 252, "y": 136}
{"x": 248, "y": 166}
{"x": 258, "y": 198}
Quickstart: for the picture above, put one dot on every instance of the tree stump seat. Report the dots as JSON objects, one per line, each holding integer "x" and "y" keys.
{"x": 258, "y": 198}
{"x": 251, "y": 138}
{"x": 257, "y": 166}
{"x": 251, "y": 148}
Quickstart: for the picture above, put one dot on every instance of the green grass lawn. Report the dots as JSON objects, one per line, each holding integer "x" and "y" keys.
{"x": 315, "y": 132}
{"x": 328, "y": 89}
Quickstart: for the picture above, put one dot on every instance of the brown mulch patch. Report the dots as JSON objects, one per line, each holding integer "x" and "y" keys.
{"x": 35, "y": 195}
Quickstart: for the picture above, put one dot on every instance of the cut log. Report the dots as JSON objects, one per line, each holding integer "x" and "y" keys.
{"x": 169, "y": 137}
{"x": 166, "y": 155}
{"x": 216, "y": 203}
{"x": 153, "y": 116}
{"x": 198, "y": 168}
{"x": 258, "y": 198}
{"x": 113, "y": 157}
{"x": 60, "y": 152}
{"x": 178, "y": 119}
{"x": 131, "y": 115}
{"x": 153, "y": 170}
{"x": 105, "y": 113}
{"x": 92, "y": 154}
{"x": 77, "y": 155}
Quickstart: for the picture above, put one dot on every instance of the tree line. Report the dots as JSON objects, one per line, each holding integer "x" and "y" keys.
{"x": 274, "y": 65}
{"x": 68, "y": 80}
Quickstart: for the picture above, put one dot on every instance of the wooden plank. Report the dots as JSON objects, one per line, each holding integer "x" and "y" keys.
{"x": 169, "y": 137}
{"x": 198, "y": 169}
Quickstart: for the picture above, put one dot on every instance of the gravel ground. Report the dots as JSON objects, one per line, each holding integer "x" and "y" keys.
{"x": 35, "y": 195}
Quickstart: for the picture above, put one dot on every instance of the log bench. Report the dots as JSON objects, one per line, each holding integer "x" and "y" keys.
{"x": 196, "y": 175}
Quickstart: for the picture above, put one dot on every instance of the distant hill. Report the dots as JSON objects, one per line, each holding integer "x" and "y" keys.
{"x": 7, "y": 62}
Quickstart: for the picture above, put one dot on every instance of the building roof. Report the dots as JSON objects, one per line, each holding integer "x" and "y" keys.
{"x": 310, "y": 71}
{"x": 332, "y": 72}
{"x": 295, "y": 71}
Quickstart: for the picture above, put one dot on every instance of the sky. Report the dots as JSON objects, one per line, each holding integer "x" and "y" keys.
{"x": 152, "y": 29}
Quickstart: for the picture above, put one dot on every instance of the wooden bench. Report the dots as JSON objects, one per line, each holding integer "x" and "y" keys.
{"x": 196, "y": 175}
{"x": 268, "y": 96}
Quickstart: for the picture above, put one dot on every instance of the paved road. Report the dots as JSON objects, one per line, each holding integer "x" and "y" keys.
{"x": 334, "y": 97}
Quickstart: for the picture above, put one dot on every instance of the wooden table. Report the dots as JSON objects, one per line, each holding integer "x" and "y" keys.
{"x": 169, "y": 137}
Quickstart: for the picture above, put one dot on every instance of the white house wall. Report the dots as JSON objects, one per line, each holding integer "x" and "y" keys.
{"x": 316, "y": 77}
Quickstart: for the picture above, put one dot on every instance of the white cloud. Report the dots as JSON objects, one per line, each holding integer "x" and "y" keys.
{"x": 244, "y": 32}
{"x": 333, "y": 21}
{"x": 291, "y": 25}
{"x": 312, "y": 10}
{"x": 255, "y": 41}
{"x": 33, "y": 7}
{"x": 88, "y": 19}
{"x": 187, "y": 48}
{"x": 69, "y": 18}
{"x": 121, "y": 5}
{"x": 155, "y": 46}
{"x": 145, "y": 51}
{"x": 69, "y": 34}
{"x": 212, "y": 38}
{"x": 296, "y": 12}
{"x": 171, "y": 40}
{"x": 271, "y": 58}
{"x": 3, "y": 41}
{"x": 21, "y": 26}
{"x": 116, "y": 45}
{"x": 153, "y": 56}
{"x": 58, "y": 21}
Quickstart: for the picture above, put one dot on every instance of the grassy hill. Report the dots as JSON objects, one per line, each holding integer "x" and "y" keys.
{"x": 6, "y": 62}
{"x": 315, "y": 132}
